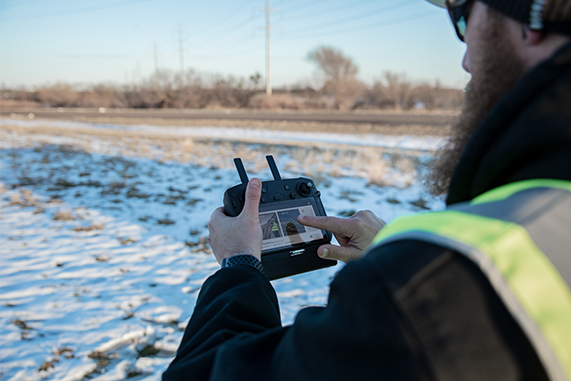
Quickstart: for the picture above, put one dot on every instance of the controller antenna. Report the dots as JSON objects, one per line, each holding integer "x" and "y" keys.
{"x": 241, "y": 171}
{"x": 273, "y": 167}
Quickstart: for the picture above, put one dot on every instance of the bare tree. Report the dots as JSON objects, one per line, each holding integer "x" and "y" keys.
{"x": 340, "y": 75}
{"x": 435, "y": 96}
{"x": 57, "y": 95}
{"x": 338, "y": 87}
{"x": 398, "y": 89}
{"x": 392, "y": 91}
{"x": 397, "y": 92}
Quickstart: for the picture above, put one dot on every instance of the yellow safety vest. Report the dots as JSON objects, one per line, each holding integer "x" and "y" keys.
{"x": 519, "y": 235}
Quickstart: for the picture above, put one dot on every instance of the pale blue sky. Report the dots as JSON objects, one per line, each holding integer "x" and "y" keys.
{"x": 92, "y": 41}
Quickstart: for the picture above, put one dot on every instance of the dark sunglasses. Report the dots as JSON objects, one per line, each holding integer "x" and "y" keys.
{"x": 459, "y": 11}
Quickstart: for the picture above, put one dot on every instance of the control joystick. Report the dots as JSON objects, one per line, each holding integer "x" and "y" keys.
{"x": 304, "y": 188}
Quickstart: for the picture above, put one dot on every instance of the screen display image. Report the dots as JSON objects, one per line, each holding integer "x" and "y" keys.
{"x": 270, "y": 226}
{"x": 280, "y": 228}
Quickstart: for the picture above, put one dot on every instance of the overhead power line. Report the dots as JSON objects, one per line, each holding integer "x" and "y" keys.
{"x": 88, "y": 56}
{"x": 226, "y": 32}
{"x": 328, "y": 11}
{"x": 358, "y": 16}
{"x": 231, "y": 45}
{"x": 399, "y": 20}
{"x": 3, "y": 4}
{"x": 306, "y": 5}
{"x": 231, "y": 55}
{"x": 224, "y": 20}
{"x": 79, "y": 10}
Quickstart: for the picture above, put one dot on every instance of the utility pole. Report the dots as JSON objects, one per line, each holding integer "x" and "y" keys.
{"x": 138, "y": 73}
{"x": 156, "y": 59}
{"x": 268, "y": 59}
{"x": 181, "y": 53}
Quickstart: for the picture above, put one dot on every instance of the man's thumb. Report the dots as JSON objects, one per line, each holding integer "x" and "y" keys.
{"x": 252, "y": 200}
{"x": 339, "y": 253}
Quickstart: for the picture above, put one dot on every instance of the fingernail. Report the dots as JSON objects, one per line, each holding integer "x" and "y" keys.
{"x": 255, "y": 183}
{"x": 324, "y": 253}
{"x": 300, "y": 218}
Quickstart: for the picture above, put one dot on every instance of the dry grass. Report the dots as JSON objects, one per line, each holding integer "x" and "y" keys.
{"x": 280, "y": 101}
{"x": 102, "y": 258}
{"x": 47, "y": 365}
{"x": 126, "y": 241}
{"x": 420, "y": 203}
{"x": 321, "y": 161}
{"x": 16, "y": 199}
{"x": 21, "y": 324}
{"x": 88, "y": 228}
{"x": 64, "y": 351}
{"x": 326, "y": 127}
{"x": 352, "y": 128}
{"x": 63, "y": 215}
{"x": 165, "y": 221}
{"x": 338, "y": 88}
{"x": 200, "y": 246}
{"x": 97, "y": 355}
{"x": 24, "y": 199}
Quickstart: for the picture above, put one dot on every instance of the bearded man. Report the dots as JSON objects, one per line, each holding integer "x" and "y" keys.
{"x": 480, "y": 291}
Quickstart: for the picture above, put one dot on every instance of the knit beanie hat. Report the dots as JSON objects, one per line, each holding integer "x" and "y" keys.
{"x": 547, "y": 15}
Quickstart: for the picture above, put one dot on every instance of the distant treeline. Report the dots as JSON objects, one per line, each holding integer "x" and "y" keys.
{"x": 339, "y": 88}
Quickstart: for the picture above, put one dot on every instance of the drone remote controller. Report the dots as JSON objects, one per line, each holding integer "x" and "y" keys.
{"x": 288, "y": 248}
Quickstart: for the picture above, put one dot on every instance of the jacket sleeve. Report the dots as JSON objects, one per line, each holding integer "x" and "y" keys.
{"x": 235, "y": 333}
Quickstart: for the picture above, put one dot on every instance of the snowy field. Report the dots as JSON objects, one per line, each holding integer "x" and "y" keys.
{"x": 103, "y": 238}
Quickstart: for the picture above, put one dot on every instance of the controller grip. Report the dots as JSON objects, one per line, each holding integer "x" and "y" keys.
{"x": 234, "y": 200}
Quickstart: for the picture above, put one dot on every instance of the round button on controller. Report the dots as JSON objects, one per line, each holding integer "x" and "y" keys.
{"x": 304, "y": 188}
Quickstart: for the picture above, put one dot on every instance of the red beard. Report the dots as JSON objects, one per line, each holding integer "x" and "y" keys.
{"x": 496, "y": 72}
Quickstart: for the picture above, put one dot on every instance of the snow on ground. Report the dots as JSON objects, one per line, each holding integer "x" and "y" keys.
{"x": 405, "y": 142}
{"x": 102, "y": 256}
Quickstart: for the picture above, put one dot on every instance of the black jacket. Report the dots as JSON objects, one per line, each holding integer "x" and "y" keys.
{"x": 408, "y": 310}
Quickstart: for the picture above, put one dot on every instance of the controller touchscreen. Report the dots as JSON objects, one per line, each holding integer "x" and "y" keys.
{"x": 280, "y": 228}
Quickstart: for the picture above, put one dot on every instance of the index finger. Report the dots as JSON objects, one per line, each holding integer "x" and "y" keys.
{"x": 332, "y": 224}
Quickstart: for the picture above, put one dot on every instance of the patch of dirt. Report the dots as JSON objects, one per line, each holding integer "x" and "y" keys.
{"x": 420, "y": 203}
{"x": 88, "y": 228}
{"x": 148, "y": 351}
{"x": 166, "y": 221}
{"x": 63, "y": 215}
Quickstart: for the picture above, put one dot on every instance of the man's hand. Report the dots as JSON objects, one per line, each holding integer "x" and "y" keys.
{"x": 354, "y": 234}
{"x": 230, "y": 236}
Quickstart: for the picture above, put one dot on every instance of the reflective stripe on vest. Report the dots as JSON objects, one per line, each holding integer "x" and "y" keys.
{"x": 520, "y": 237}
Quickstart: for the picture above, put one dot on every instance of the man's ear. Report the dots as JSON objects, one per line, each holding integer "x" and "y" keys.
{"x": 531, "y": 37}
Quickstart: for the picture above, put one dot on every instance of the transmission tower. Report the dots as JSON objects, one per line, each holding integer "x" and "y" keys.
{"x": 181, "y": 52}
{"x": 156, "y": 54}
